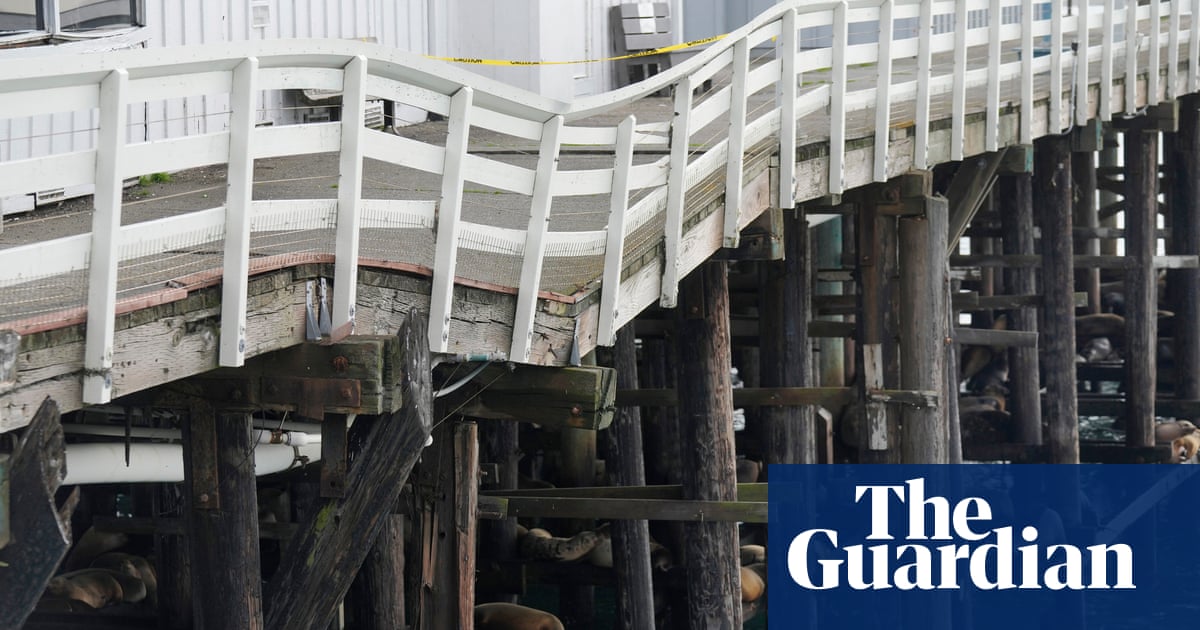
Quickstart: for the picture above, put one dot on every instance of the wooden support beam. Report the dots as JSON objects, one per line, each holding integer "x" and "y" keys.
{"x": 311, "y": 379}
{"x": 701, "y": 512}
{"x": 333, "y": 541}
{"x": 972, "y": 183}
{"x": 1141, "y": 286}
{"x": 762, "y": 239}
{"x": 222, "y": 530}
{"x": 1182, "y": 153}
{"x": 377, "y": 593}
{"x": 706, "y": 427}
{"x": 1014, "y": 198}
{"x": 575, "y": 397}
{"x": 40, "y": 526}
{"x": 1097, "y": 453}
{"x": 1052, "y": 187}
{"x": 744, "y": 491}
{"x": 1000, "y": 338}
{"x": 924, "y": 285}
{"x": 627, "y": 466}
{"x": 333, "y": 456}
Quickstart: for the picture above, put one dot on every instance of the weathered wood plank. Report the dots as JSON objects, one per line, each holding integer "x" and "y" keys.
{"x": 176, "y": 339}
{"x": 1141, "y": 286}
{"x": 575, "y": 397}
{"x": 745, "y": 492}
{"x": 1015, "y": 198}
{"x": 329, "y": 548}
{"x": 1182, "y": 153}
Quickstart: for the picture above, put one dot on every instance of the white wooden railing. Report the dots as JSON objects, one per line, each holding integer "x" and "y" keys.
{"x": 819, "y": 82}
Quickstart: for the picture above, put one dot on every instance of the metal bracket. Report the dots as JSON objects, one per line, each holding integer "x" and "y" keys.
{"x": 312, "y": 329}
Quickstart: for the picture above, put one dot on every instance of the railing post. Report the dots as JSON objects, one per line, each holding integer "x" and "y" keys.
{"x": 1056, "y": 67}
{"x": 786, "y": 96}
{"x": 736, "y": 142}
{"x": 535, "y": 240}
{"x": 1025, "y": 133}
{"x": 991, "y": 138}
{"x": 240, "y": 178}
{"x": 614, "y": 250}
{"x": 1107, "y": 43}
{"x": 883, "y": 90}
{"x": 1132, "y": 36}
{"x": 446, "y": 253}
{"x": 837, "y": 103}
{"x": 1173, "y": 50}
{"x": 1194, "y": 49}
{"x": 345, "y": 274}
{"x": 1082, "y": 37}
{"x": 1155, "y": 53}
{"x": 958, "y": 94}
{"x": 106, "y": 232}
{"x": 676, "y": 187}
{"x": 924, "y": 66}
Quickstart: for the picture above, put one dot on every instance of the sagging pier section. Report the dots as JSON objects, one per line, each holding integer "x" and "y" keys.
{"x": 911, "y": 307}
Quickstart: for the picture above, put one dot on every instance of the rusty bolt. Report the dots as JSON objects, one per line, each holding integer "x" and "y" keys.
{"x": 340, "y": 363}
{"x": 345, "y": 392}
{"x": 204, "y": 498}
{"x": 576, "y": 410}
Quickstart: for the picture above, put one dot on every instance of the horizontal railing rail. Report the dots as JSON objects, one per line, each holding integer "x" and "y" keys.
{"x": 676, "y": 189}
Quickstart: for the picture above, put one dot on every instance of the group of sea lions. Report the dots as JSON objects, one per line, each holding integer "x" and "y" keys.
{"x": 97, "y": 576}
{"x": 1184, "y": 438}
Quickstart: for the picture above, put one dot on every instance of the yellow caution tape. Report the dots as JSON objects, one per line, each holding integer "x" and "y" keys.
{"x": 644, "y": 53}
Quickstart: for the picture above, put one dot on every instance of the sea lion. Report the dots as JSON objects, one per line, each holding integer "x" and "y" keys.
{"x": 748, "y": 470}
{"x": 132, "y": 565}
{"x": 90, "y": 545}
{"x": 1184, "y": 449}
{"x": 602, "y": 554}
{"x": 752, "y": 554}
{"x": 660, "y": 557}
{"x": 503, "y": 616}
{"x": 753, "y": 586}
{"x": 95, "y": 587}
{"x": 1166, "y": 432}
{"x": 539, "y": 544}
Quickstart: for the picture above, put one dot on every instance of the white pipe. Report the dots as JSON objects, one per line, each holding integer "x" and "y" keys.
{"x": 264, "y": 435}
{"x": 163, "y": 463}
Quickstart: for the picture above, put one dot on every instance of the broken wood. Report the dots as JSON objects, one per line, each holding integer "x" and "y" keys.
{"x": 333, "y": 541}
{"x": 41, "y": 529}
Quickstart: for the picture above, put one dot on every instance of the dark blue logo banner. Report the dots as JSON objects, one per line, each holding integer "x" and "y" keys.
{"x": 983, "y": 547}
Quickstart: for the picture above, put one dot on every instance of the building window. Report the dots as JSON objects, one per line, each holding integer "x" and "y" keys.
{"x": 67, "y": 17}
{"x": 18, "y": 16}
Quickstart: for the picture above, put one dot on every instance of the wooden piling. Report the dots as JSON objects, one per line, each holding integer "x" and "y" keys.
{"x": 877, "y": 360}
{"x": 1085, "y": 211}
{"x": 446, "y": 528}
{"x": 1052, "y": 187}
{"x": 1182, "y": 155}
{"x": 924, "y": 331}
{"x": 577, "y": 457}
{"x": 827, "y": 254}
{"x": 626, "y": 465}
{"x": 172, "y": 562}
{"x": 498, "y": 443}
{"x": 706, "y": 423}
{"x": 1015, "y": 196}
{"x": 789, "y": 434}
{"x": 1141, "y": 288}
{"x": 222, "y": 522}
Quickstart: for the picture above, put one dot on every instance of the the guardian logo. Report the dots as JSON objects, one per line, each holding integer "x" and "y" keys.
{"x": 947, "y": 546}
